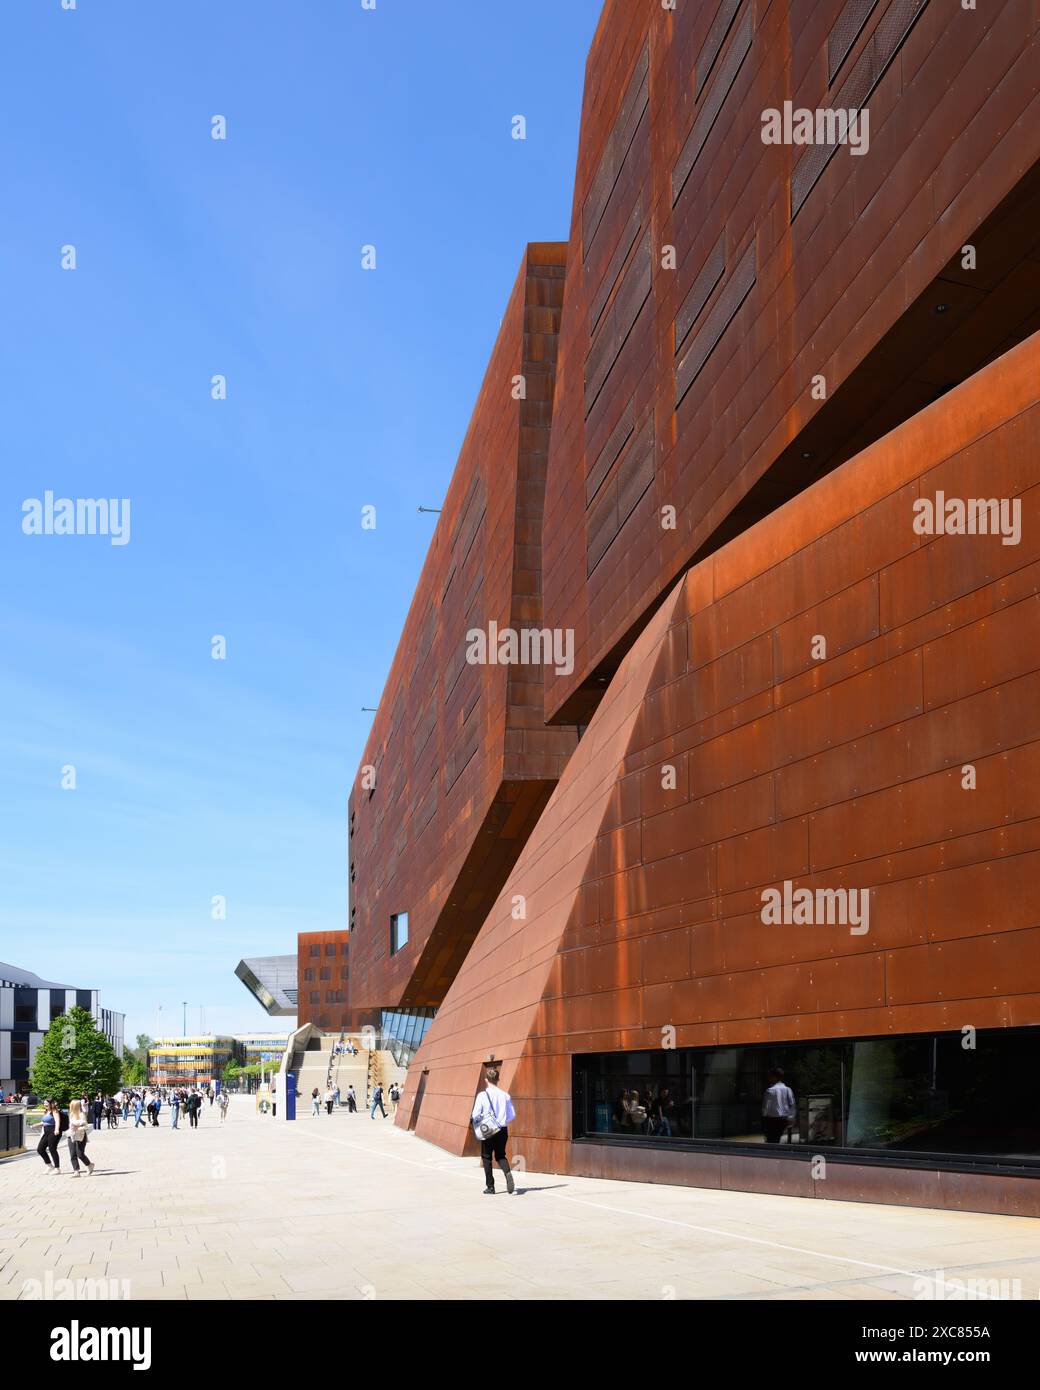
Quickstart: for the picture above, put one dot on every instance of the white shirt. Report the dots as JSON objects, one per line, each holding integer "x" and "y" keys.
{"x": 497, "y": 1103}
{"x": 778, "y": 1100}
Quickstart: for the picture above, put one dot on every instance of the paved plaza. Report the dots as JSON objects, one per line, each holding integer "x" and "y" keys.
{"x": 348, "y": 1207}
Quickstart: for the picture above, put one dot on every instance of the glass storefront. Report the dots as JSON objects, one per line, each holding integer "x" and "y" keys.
{"x": 926, "y": 1094}
{"x": 403, "y": 1031}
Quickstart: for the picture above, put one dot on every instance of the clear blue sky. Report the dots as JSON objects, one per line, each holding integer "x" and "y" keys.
{"x": 241, "y": 257}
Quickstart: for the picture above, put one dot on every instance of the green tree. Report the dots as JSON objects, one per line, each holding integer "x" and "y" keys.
{"x": 74, "y": 1059}
{"x": 134, "y": 1072}
{"x": 144, "y": 1042}
{"x": 232, "y": 1073}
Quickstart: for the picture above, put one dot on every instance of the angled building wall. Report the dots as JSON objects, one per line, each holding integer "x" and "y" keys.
{"x": 741, "y": 317}
{"x": 732, "y": 753}
{"x": 459, "y": 765}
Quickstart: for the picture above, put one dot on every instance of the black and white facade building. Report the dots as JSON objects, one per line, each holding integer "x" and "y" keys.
{"x": 28, "y": 1006}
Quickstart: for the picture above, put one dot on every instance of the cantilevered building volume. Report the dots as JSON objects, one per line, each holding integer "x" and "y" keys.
{"x": 772, "y": 494}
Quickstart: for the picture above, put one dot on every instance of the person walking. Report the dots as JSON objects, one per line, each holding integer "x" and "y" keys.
{"x": 778, "y": 1107}
{"x": 225, "y": 1101}
{"x": 194, "y": 1106}
{"x": 77, "y": 1139}
{"x": 329, "y": 1098}
{"x": 395, "y": 1096}
{"x": 351, "y": 1101}
{"x": 47, "y": 1148}
{"x": 315, "y": 1102}
{"x": 175, "y": 1110}
{"x": 138, "y": 1109}
{"x": 335, "y": 1097}
{"x": 491, "y": 1116}
{"x": 99, "y": 1106}
{"x": 377, "y": 1099}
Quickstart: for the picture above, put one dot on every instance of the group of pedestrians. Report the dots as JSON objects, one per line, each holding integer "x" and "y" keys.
{"x": 333, "y": 1099}
{"x": 74, "y": 1124}
{"x": 144, "y": 1105}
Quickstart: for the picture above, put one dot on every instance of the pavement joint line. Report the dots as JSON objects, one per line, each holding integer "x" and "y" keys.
{"x": 667, "y": 1220}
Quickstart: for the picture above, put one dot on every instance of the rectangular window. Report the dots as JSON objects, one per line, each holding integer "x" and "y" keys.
{"x": 315, "y": 951}
{"x": 917, "y": 1095}
{"x": 19, "y": 1051}
{"x": 330, "y": 948}
{"x": 25, "y": 1013}
{"x": 398, "y": 931}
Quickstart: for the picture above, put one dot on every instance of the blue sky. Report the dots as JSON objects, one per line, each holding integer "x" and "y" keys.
{"x": 241, "y": 257}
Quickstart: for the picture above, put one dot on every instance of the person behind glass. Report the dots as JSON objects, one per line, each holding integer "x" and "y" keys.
{"x": 77, "y": 1138}
{"x": 777, "y": 1107}
{"x": 664, "y": 1109}
{"x": 47, "y": 1148}
{"x": 496, "y": 1105}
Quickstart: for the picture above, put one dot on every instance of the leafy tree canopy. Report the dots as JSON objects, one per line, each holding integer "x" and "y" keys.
{"x": 74, "y": 1059}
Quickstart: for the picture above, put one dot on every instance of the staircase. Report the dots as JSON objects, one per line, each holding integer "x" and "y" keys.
{"x": 317, "y": 1064}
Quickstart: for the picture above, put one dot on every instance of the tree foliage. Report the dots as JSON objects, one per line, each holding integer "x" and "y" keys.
{"x": 74, "y": 1059}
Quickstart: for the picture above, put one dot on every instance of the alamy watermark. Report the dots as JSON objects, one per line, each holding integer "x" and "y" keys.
{"x": 969, "y": 516}
{"x": 77, "y": 516}
{"x": 530, "y": 646}
{"x": 817, "y": 907}
{"x": 829, "y": 125}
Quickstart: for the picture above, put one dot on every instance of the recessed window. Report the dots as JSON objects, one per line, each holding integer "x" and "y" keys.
{"x": 19, "y": 1051}
{"x": 398, "y": 931}
{"x": 25, "y": 1013}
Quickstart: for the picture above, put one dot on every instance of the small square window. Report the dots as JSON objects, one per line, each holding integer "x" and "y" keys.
{"x": 398, "y": 931}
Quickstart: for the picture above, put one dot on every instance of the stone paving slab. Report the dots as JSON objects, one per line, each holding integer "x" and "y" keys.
{"x": 342, "y": 1207}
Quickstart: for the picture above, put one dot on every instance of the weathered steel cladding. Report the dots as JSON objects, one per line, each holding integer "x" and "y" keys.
{"x": 463, "y": 762}
{"x": 720, "y": 353}
{"x": 644, "y": 901}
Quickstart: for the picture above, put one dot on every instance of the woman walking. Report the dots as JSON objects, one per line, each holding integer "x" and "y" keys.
{"x": 491, "y": 1116}
{"x": 315, "y": 1102}
{"x": 47, "y": 1148}
{"x": 77, "y": 1139}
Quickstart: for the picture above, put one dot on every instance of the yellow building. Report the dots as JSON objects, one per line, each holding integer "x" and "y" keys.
{"x": 188, "y": 1061}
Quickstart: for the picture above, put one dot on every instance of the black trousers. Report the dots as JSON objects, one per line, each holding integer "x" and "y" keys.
{"x": 351, "y": 1105}
{"x": 774, "y": 1127}
{"x": 47, "y": 1148}
{"x": 494, "y": 1148}
{"x": 193, "y": 1118}
{"x": 78, "y": 1153}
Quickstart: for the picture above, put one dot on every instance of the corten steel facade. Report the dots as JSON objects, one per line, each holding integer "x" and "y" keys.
{"x": 767, "y": 356}
{"x": 693, "y": 387}
{"x": 461, "y": 761}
